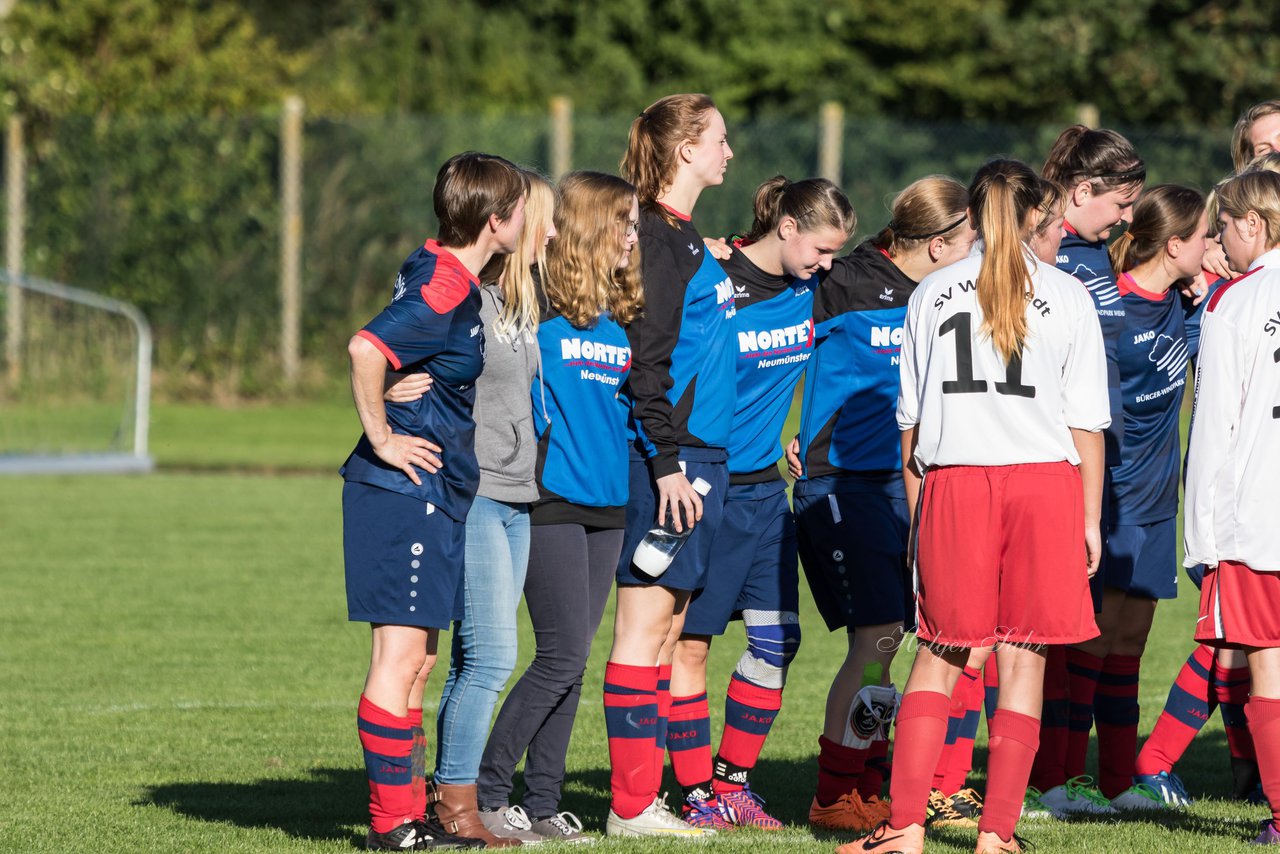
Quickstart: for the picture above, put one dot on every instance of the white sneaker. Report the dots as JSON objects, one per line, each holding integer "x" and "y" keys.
{"x": 1077, "y": 795}
{"x": 1139, "y": 796}
{"x": 510, "y": 823}
{"x": 656, "y": 820}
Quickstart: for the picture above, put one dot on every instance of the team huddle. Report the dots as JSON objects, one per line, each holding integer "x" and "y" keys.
{"x": 572, "y": 392}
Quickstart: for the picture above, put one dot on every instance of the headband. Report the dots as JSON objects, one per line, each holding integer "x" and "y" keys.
{"x": 894, "y": 226}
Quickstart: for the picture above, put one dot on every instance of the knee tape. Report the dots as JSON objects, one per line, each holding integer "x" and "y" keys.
{"x": 772, "y": 640}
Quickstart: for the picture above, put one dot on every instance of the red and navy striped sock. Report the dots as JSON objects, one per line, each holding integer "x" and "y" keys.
{"x": 1115, "y": 712}
{"x": 875, "y": 770}
{"x": 1186, "y": 710}
{"x": 418, "y": 765}
{"x": 662, "y": 692}
{"x": 689, "y": 741}
{"x": 387, "y": 740}
{"x": 960, "y": 756}
{"x": 1083, "y": 671}
{"x": 1049, "y": 768}
{"x": 991, "y": 687}
{"x": 1015, "y": 738}
{"x": 749, "y": 713}
{"x": 839, "y": 768}
{"x": 1231, "y": 690}
{"x": 631, "y": 723}
{"x": 920, "y": 730}
{"x": 1264, "y": 722}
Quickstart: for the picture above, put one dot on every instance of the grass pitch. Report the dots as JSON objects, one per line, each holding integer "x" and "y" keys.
{"x": 177, "y": 672}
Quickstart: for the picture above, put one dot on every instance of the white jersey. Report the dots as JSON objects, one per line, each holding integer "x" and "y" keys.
{"x": 1233, "y": 463}
{"x": 973, "y": 409}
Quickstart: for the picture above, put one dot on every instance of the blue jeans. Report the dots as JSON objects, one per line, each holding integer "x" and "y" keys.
{"x": 484, "y": 641}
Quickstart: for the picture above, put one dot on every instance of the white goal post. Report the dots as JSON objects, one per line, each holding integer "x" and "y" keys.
{"x": 37, "y": 457}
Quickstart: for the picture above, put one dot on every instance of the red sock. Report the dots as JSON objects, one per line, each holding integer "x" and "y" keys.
{"x": 839, "y": 768}
{"x": 962, "y": 728}
{"x": 1231, "y": 690}
{"x": 387, "y": 740}
{"x": 1186, "y": 710}
{"x": 1014, "y": 740}
{"x": 689, "y": 740}
{"x": 418, "y": 765}
{"x": 1264, "y": 722}
{"x": 663, "y": 693}
{"x": 920, "y": 730}
{"x": 631, "y": 723}
{"x": 1083, "y": 671}
{"x": 1115, "y": 712}
{"x": 1049, "y": 768}
{"x": 875, "y": 770}
{"x": 749, "y": 713}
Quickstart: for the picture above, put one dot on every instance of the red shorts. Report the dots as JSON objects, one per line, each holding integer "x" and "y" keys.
{"x": 1239, "y": 607}
{"x": 1001, "y": 556}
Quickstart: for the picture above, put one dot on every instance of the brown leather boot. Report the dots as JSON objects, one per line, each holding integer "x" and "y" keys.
{"x": 457, "y": 810}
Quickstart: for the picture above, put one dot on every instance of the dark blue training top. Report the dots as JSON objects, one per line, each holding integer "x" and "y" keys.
{"x": 1152, "y": 354}
{"x": 848, "y": 422}
{"x": 774, "y": 341}
{"x": 432, "y": 325}
{"x": 1090, "y": 263}
{"x": 582, "y": 444}
{"x": 681, "y": 387}
{"x": 1195, "y": 315}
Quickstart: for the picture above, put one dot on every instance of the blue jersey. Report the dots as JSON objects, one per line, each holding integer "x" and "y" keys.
{"x": 432, "y": 325}
{"x": 848, "y": 420}
{"x": 1090, "y": 263}
{"x": 775, "y": 339}
{"x": 681, "y": 389}
{"x": 1195, "y": 315}
{"x": 582, "y": 444}
{"x": 1152, "y": 355}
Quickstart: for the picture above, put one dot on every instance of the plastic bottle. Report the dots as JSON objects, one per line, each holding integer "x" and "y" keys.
{"x": 660, "y": 545}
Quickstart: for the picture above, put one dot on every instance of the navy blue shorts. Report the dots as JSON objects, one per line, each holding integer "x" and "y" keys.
{"x": 1196, "y": 574}
{"x": 853, "y": 546}
{"x": 688, "y": 571}
{"x": 403, "y": 557}
{"x": 753, "y": 560}
{"x": 1142, "y": 560}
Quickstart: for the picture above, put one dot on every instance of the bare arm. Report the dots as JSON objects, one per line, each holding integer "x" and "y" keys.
{"x": 368, "y": 376}
{"x": 911, "y": 476}
{"x": 1089, "y": 445}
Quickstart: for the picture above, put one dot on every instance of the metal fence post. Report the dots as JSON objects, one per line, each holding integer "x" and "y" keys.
{"x": 831, "y": 142}
{"x": 291, "y": 237}
{"x": 561, "y": 136}
{"x": 15, "y": 180}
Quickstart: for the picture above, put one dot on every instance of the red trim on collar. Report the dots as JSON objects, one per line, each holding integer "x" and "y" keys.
{"x": 885, "y": 253}
{"x": 1069, "y": 228}
{"x": 1128, "y": 285}
{"x": 448, "y": 259}
{"x": 675, "y": 213}
{"x": 1217, "y": 295}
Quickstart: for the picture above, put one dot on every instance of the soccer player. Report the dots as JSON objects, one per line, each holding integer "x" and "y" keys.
{"x": 798, "y": 228}
{"x": 403, "y": 512}
{"x": 851, "y": 512}
{"x": 1234, "y": 454}
{"x": 591, "y": 282}
{"x": 1103, "y": 176}
{"x": 681, "y": 393}
{"x": 1002, "y": 402}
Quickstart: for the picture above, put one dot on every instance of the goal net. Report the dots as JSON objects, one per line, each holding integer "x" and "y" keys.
{"x": 75, "y": 392}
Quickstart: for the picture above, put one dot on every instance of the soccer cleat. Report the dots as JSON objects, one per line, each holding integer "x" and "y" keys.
{"x": 1169, "y": 786}
{"x": 697, "y": 812}
{"x": 991, "y": 843}
{"x": 745, "y": 808}
{"x": 1033, "y": 807}
{"x": 940, "y": 813}
{"x": 849, "y": 813}
{"x": 510, "y": 823}
{"x": 1077, "y": 795}
{"x": 416, "y": 836}
{"x": 1139, "y": 796}
{"x": 561, "y": 827}
{"x": 656, "y": 820}
{"x": 967, "y": 802}
{"x": 1270, "y": 834}
{"x": 887, "y": 840}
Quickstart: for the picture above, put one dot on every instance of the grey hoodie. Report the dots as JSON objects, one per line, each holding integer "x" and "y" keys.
{"x": 505, "y": 443}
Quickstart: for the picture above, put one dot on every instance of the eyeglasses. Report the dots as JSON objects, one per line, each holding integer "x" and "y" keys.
{"x": 633, "y": 225}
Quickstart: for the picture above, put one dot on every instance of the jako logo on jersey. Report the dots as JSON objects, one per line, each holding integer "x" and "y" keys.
{"x": 604, "y": 355}
{"x": 887, "y": 296}
{"x": 1144, "y": 336}
{"x": 756, "y": 341}
{"x": 1061, "y": 259}
{"x": 886, "y": 336}
{"x": 401, "y": 287}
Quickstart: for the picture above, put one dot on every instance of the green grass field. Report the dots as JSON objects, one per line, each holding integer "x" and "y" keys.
{"x": 177, "y": 673}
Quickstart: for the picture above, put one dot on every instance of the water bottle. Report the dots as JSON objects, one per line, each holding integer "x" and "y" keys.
{"x": 660, "y": 545}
